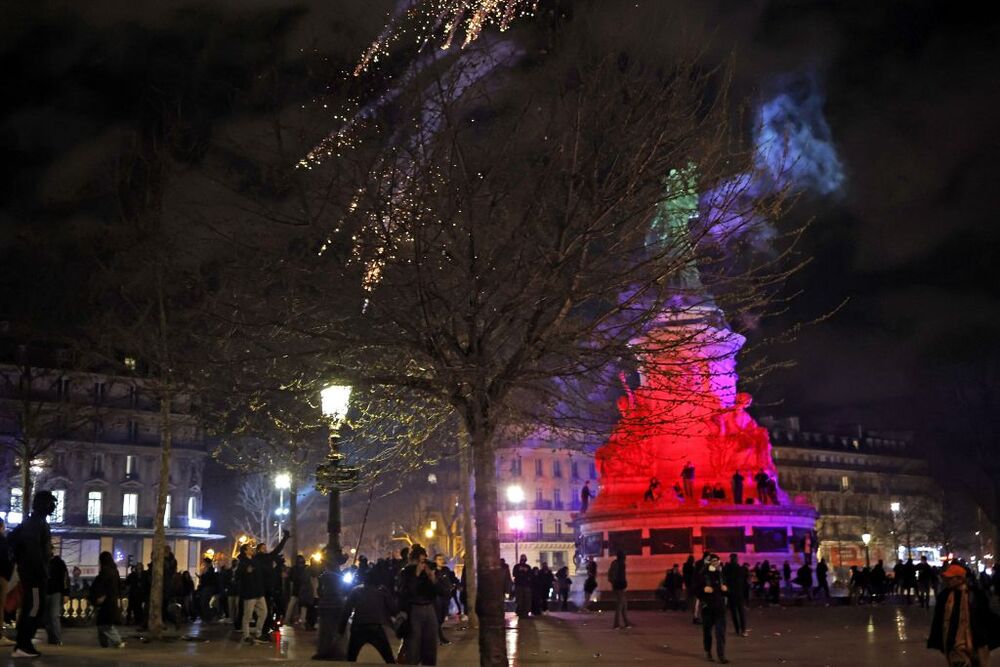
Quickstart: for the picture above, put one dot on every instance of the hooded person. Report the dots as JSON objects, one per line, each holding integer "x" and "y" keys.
{"x": 964, "y": 628}
{"x": 32, "y": 545}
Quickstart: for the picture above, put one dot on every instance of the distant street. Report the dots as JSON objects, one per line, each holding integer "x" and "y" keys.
{"x": 887, "y": 636}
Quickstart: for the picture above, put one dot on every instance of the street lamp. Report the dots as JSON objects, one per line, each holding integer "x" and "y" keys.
{"x": 516, "y": 524}
{"x": 334, "y": 401}
{"x": 282, "y": 482}
{"x": 867, "y": 538}
{"x": 515, "y": 494}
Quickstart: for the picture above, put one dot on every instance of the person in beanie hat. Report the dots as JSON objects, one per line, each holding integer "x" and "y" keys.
{"x": 964, "y": 627}
{"x": 712, "y": 591}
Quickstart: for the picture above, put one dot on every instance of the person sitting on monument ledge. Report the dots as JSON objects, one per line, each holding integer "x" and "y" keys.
{"x": 679, "y": 492}
{"x": 718, "y": 493}
{"x": 706, "y": 492}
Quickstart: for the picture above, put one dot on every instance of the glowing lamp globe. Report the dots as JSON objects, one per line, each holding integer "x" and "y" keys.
{"x": 516, "y": 522}
{"x": 866, "y": 538}
{"x": 334, "y": 400}
{"x": 283, "y": 481}
{"x": 894, "y": 507}
{"x": 515, "y": 493}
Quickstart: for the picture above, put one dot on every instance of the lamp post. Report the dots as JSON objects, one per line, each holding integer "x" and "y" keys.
{"x": 334, "y": 402}
{"x": 516, "y": 524}
{"x": 894, "y": 508}
{"x": 282, "y": 482}
{"x": 867, "y": 538}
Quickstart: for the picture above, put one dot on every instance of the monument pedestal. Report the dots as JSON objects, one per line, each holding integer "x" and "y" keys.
{"x": 654, "y": 537}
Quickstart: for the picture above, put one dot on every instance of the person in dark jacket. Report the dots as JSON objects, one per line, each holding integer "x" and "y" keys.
{"x": 134, "y": 584}
{"x": 373, "y": 608}
{"x": 822, "y": 585}
{"x": 6, "y": 572}
{"x": 737, "y": 581}
{"x": 57, "y": 592}
{"x": 255, "y": 585}
{"x": 105, "y": 594}
{"x": 207, "y": 588}
{"x": 522, "y": 586}
{"x": 33, "y": 553}
{"x": 712, "y": 591}
{"x": 417, "y": 589}
{"x": 964, "y": 628}
{"x": 618, "y": 579}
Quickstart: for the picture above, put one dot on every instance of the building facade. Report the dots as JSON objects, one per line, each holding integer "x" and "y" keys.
{"x": 94, "y": 440}
{"x": 863, "y": 484}
{"x": 539, "y": 496}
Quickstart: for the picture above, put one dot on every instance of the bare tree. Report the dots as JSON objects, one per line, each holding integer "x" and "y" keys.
{"x": 258, "y": 500}
{"x": 495, "y": 260}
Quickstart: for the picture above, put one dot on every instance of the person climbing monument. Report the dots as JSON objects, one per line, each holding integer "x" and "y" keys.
{"x": 651, "y": 494}
{"x": 737, "y": 488}
{"x": 687, "y": 478}
{"x": 585, "y": 496}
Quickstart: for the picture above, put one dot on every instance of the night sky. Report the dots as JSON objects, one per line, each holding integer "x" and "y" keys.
{"x": 909, "y": 91}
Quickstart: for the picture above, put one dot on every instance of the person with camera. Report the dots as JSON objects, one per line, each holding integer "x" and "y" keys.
{"x": 713, "y": 591}
{"x": 418, "y": 591}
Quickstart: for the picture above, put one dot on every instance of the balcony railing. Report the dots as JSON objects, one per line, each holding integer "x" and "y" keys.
{"x": 533, "y": 536}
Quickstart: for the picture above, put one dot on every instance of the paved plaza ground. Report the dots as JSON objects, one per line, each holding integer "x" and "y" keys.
{"x": 886, "y": 636}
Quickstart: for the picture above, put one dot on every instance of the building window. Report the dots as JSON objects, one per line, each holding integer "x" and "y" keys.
{"x": 538, "y": 468}
{"x": 192, "y": 507}
{"x": 63, "y": 389}
{"x": 130, "y": 509}
{"x": 557, "y": 498}
{"x": 95, "y": 502}
{"x": 543, "y": 557}
{"x": 557, "y": 469}
{"x": 558, "y": 526}
{"x": 130, "y": 465}
{"x": 166, "y": 513}
{"x": 16, "y": 513}
{"x": 133, "y": 430}
{"x": 133, "y": 396}
{"x": 539, "y": 526}
{"x": 59, "y": 515}
{"x": 593, "y": 471}
{"x": 129, "y": 363}
{"x": 515, "y": 466}
{"x": 538, "y": 497}
{"x": 97, "y": 465}
{"x": 845, "y": 482}
{"x": 574, "y": 470}
{"x": 100, "y": 392}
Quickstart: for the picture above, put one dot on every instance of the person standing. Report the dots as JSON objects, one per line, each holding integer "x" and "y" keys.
{"x": 447, "y": 582}
{"x": 619, "y": 585}
{"x": 545, "y": 582}
{"x": 590, "y": 583}
{"x": 6, "y": 572}
{"x": 687, "y": 479}
{"x": 822, "y": 585}
{"x": 736, "y": 580}
{"x": 295, "y": 576}
{"x": 56, "y": 595}
{"x": 207, "y": 585}
{"x": 964, "y": 627}
{"x": 417, "y": 593}
{"x": 372, "y": 607}
{"x": 33, "y": 554}
{"x": 761, "y": 479}
{"x": 134, "y": 584}
{"x": 522, "y": 586}
{"x": 689, "y": 593}
{"x": 585, "y": 496}
{"x": 786, "y": 573}
{"x": 804, "y": 578}
{"x": 105, "y": 594}
{"x": 712, "y": 590}
{"x": 924, "y": 575}
{"x": 737, "y": 488}
{"x": 563, "y": 584}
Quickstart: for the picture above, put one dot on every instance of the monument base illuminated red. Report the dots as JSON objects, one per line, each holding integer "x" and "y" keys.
{"x": 686, "y": 469}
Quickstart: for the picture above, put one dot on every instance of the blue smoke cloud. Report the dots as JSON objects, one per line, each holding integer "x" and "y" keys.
{"x": 793, "y": 140}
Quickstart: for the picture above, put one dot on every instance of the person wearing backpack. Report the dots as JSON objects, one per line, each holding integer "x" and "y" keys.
{"x": 32, "y": 544}
{"x": 619, "y": 585}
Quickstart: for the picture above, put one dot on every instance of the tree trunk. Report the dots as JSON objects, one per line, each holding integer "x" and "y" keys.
{"x": 159, "y": 532}
{"x": 25, "y": 480}
{"x": 490, "y": 605}
{"x": 468, "y": 538}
